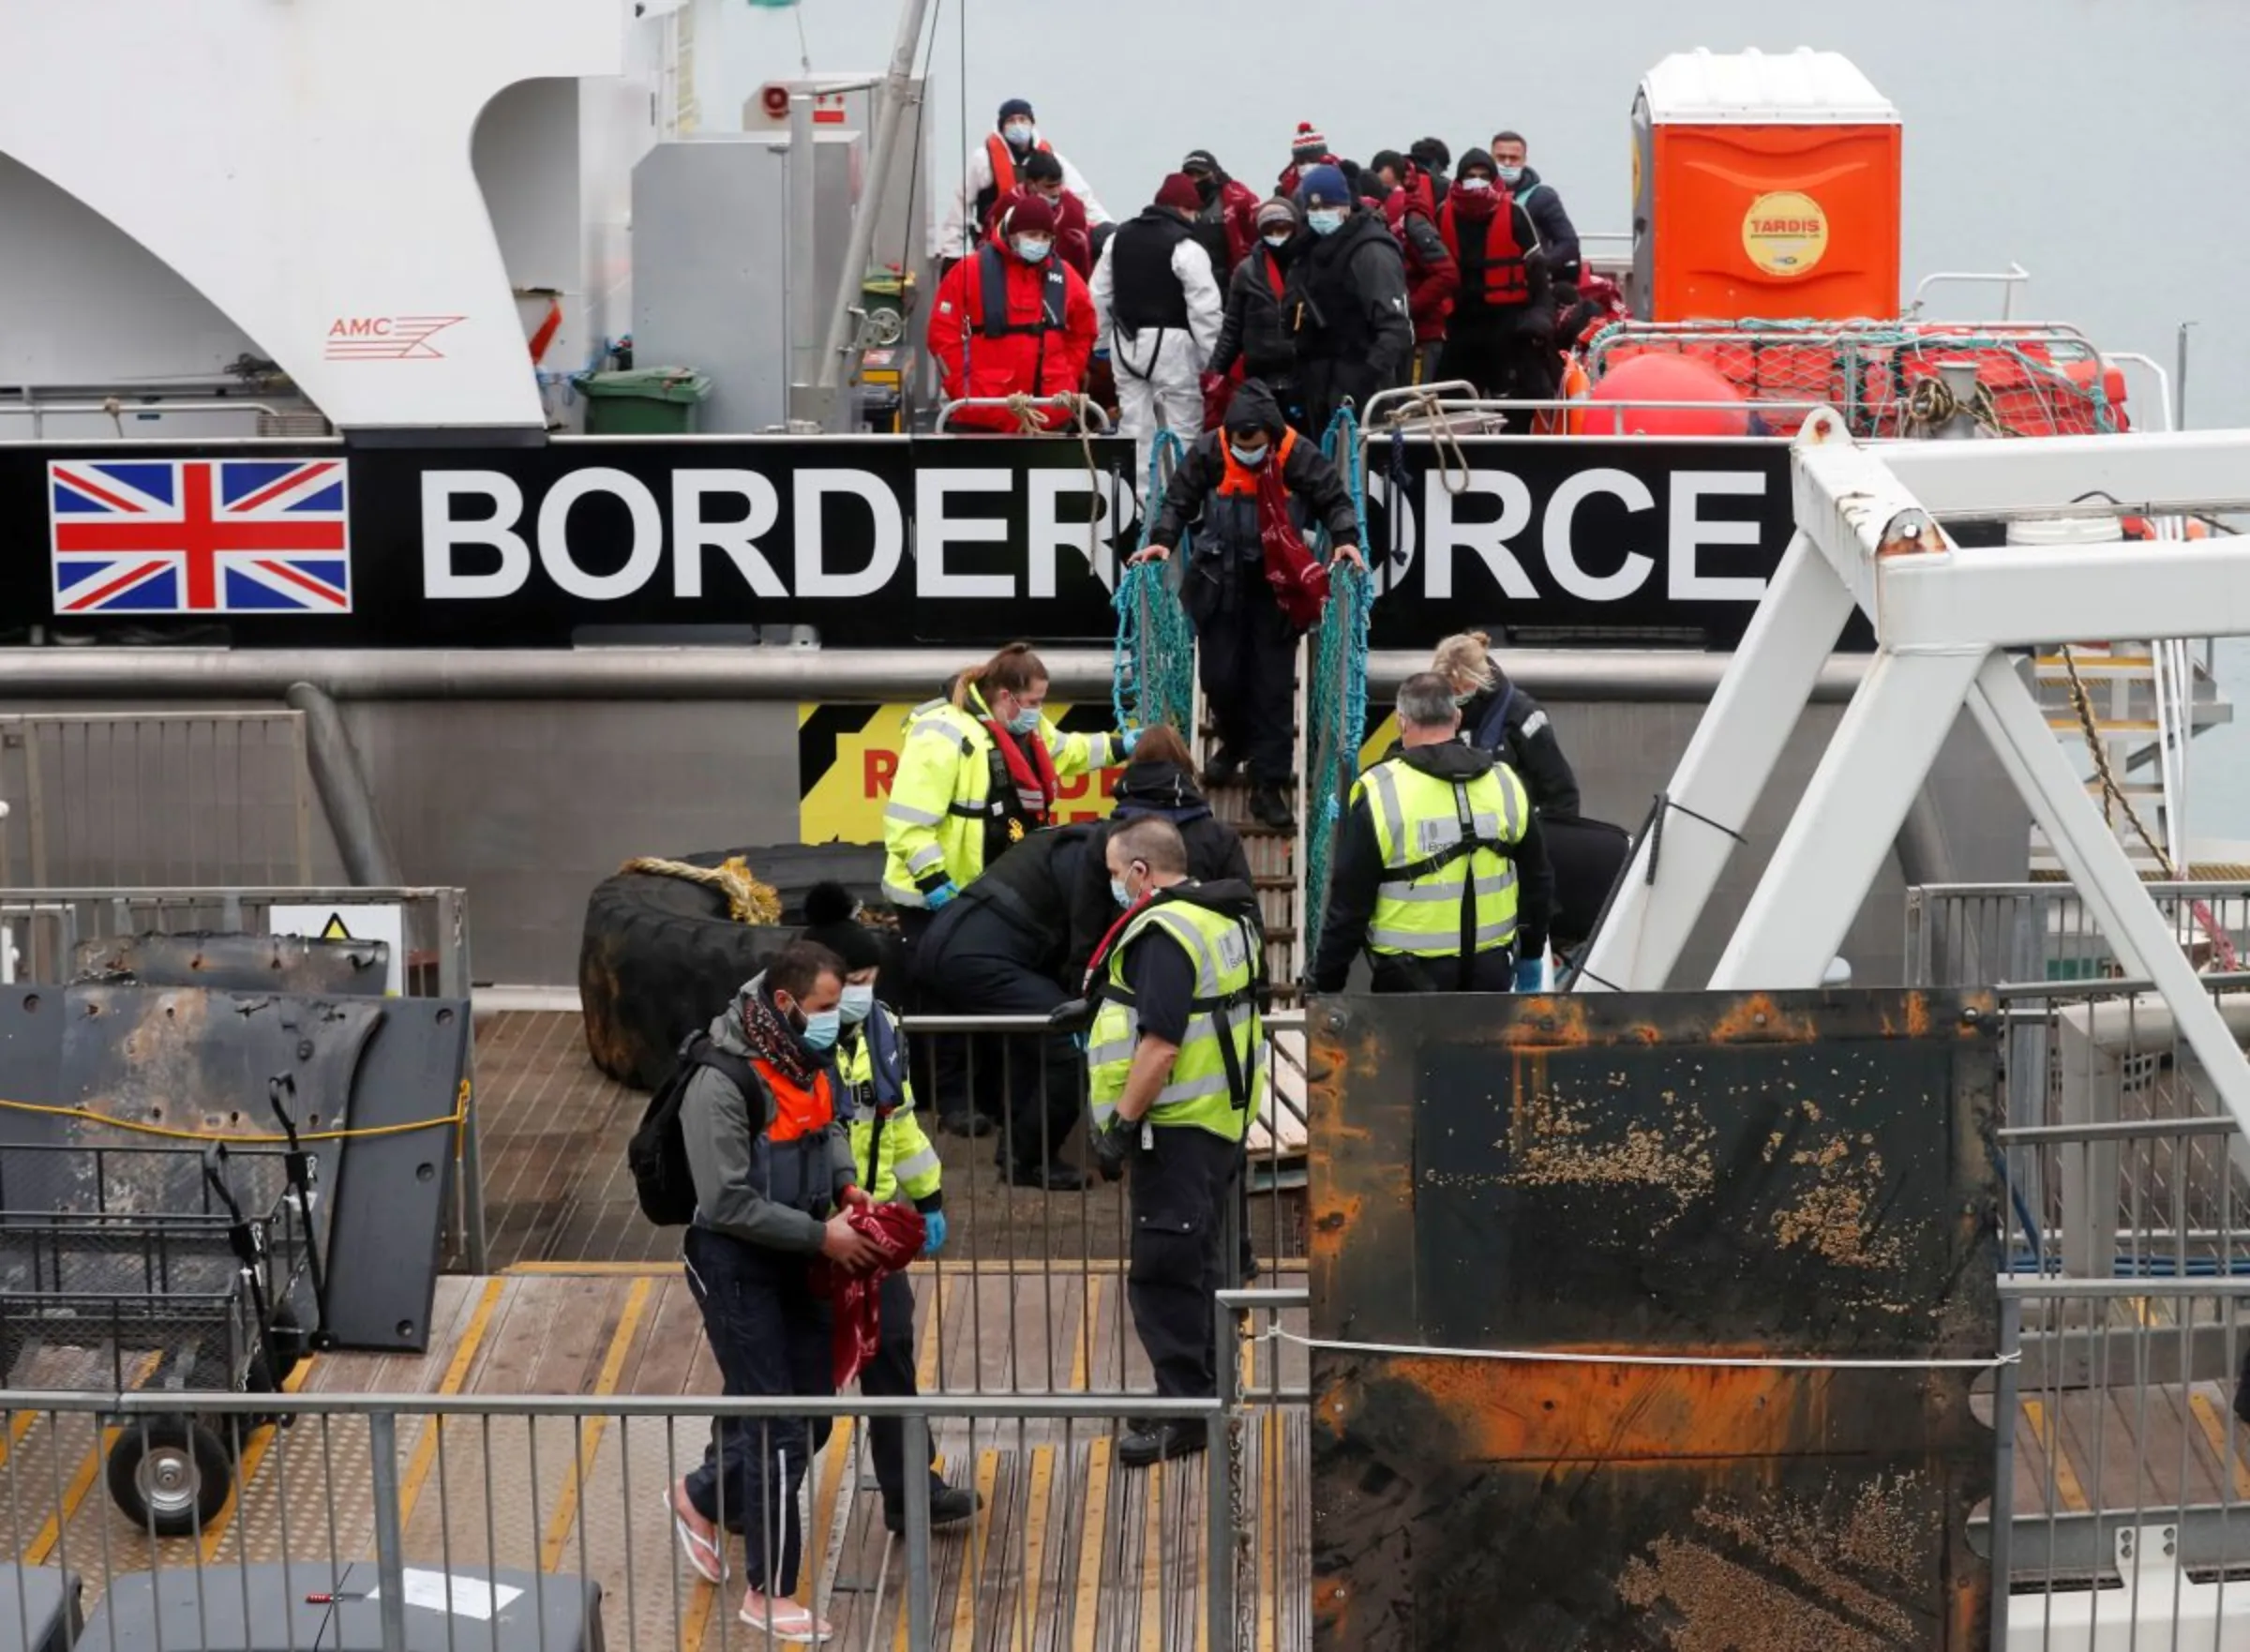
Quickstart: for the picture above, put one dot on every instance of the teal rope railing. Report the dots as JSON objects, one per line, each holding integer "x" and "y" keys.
{"x": 1336, "y": 709}
{"x": 1152, "y": 669}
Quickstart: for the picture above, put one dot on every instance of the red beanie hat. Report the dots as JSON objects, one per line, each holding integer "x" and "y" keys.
{"x": 1178, "y": 192}
{"x": 1307, "y": 137}
{"x": 1029, "y": 216}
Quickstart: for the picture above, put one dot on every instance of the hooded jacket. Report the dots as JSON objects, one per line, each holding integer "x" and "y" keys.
{"x": 1346, "y": 303}
{"x": 1358, "y": 871}
{"x": 1028, "y": 891}
{"x": 1032, "y": 356}
{"x": 1466, "y": 222}
{"x": 1315, "y": 489}
{"x": 1168, "y": 792}
{"x": 748, "y": 1186}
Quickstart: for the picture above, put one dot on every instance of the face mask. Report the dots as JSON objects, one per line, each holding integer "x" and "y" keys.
{"x": 1031, "y": 249}
{"x": 1118, "y": 893}
{"x": 1206, "y": 189}
{"x": 858, "y": 1003}
{"x": 1018, "y": 134}
{"x": 1511, "y": 175}
{"x": 1475, "y": 186}
{"x": 1325, "y": 220}
{"x": 1024, "y": 721}
{"x": 820, "y": 1028}
{"x": 1249, "y": 456}
{"x": 1278, "y": 241}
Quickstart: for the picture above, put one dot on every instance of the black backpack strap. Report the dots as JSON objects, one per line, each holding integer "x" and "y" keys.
{"x": 1468, "y": 881}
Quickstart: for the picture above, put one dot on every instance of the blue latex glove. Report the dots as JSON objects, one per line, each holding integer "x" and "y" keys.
{"x": 1531, "y": 974}
{"x": 942, "y": 893}
{"x": 1129, "y": 738}
{"x": 933, "y": 1232}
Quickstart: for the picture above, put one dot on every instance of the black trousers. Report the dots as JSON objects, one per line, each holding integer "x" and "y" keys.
{"x": 1246, "y": 654}
{"x": 770, "y": 1335}
{"x": 1515, "y": 363}
{"x": 1181, "y": 1184}
{"x": 890, "y": 1374}
{"x": 973, "y": 965}
{"x": 1491, "y": 971}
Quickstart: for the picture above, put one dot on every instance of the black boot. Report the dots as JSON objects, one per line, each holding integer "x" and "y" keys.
{"x": 1148, "y": 1444}
{"x": 1268, "y": 808}
{"x": 949, "y": 1506}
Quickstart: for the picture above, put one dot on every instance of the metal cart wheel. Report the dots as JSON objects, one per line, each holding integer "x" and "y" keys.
{"x": 171, "y": 1474}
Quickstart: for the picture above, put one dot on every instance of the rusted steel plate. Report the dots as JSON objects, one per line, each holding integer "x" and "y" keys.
{"x": 237, "y": 963}
{"x": 1801, "y": 1177}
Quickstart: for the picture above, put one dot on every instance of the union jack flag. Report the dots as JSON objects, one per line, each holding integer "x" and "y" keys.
{"x": 200, "y": 536}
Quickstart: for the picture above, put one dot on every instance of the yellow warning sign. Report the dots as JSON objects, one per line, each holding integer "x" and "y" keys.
{"x": 1785, "y": 232}
{"x": 847, "y": 755}
{"x": 333, "y": 929}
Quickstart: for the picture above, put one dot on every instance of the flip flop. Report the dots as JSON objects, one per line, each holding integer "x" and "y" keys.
{"x": 787, "y": 1622}
{"x": 703, "y": 1557}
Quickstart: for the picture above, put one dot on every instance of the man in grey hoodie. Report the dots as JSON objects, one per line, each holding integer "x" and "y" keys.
{"x": 774, "y": 1174}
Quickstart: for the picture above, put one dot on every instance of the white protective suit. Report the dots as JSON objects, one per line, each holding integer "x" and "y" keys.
{"x": 1160, "y": 370}
{"x": 954, "y": 238}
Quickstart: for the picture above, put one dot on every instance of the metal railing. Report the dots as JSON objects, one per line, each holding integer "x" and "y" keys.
{"x": 1030, "y": 1294}
{"x": 380, "y": 1498}
{"x": 1970, "y": 933}
{"x": 1086, "y": 414}
{"x": 42, "y": 930}
{"x": 155, "y": 797}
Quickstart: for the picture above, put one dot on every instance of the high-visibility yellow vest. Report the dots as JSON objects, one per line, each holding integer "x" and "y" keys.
{"x": 942, "y": 803}
{"x": 1218, "y": 1080}
{"x": 871, "y": 1062}
{"x": 1448, "y": 869}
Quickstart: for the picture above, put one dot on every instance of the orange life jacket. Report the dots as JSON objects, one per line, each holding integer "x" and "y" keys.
{"x": 1501, "y": 266}
{"x": 1242, "y": 480}
{"x": 1006, "y": 172}
{"x": 798, "y": 1112}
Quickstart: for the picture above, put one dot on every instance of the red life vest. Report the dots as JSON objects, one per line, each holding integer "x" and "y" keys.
{"x": 989, "y": 316}
{"x": 1495, "y": 278}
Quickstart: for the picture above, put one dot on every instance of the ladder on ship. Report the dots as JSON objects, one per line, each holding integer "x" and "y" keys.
{"x": 1157, "y": 682}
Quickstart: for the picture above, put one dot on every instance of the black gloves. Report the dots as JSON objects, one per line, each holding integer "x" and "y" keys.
{"x": 1111, "y": 1143}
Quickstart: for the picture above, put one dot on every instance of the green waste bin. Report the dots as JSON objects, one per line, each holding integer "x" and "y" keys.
{"x": 642, "y": 401}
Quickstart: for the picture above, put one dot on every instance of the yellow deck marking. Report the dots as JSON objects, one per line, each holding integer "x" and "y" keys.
{"x": 457, "y": 1373}
{"x": 591, "y": 1269}
{"x": 89, "y": 1468}
{"x": 2215, "y": 1430}
{"x": 933, "y": 1333}
{"x": 2067, "y": 1489}
{"x": 1088, "y": 1606}
{"x": 973, "y": 1553}
{"x": 1090, "y": 1331}
{"x": 1035, "y": 1546}
{"x": 253, "y": 1453}
{"x": 19, "y": 1425}
{"x": 834, "y": 1459}
{"x": 1159, "y": 1487}
{"x": 588, "y": 1429}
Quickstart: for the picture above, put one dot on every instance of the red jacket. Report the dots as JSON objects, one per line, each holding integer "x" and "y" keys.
{"x": 1293, "y": 174}
{"x": 1074, "y": 242}
{"x": 1032, "y": 355}
{"x": 1432, "y": 277}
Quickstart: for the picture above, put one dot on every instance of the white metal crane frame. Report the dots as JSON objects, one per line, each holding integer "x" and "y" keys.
{"x": 1945, "y": 616}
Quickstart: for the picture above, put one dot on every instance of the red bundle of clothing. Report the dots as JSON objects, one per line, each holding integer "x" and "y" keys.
{"x": 896, "y": 1231}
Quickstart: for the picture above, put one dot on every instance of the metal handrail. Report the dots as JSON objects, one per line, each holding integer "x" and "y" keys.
{"x": 1079, "y": 406}
{"x": 1040, "y": 1404}
{"x": 2007, "y": 280}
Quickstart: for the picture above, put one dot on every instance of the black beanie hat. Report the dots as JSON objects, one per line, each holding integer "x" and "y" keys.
{"x": 1015, "y": 106}
{"x": 832, "y": 919}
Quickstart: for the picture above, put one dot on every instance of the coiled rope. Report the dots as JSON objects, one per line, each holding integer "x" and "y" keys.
{"x": 748, "y": 901}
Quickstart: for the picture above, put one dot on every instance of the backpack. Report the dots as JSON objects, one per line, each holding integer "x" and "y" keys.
{"x": 657, "y": 1154}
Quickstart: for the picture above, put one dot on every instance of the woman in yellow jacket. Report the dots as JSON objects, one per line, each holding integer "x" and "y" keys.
{"x": 976, "y": 772}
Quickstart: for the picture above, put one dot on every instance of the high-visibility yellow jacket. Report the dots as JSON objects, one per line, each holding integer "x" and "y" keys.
{"x": 1445, "y": 845}
{"x": 1218, "y": 1080}
{"x": 871, "y": 1061}
{"x": 953, "y": 808}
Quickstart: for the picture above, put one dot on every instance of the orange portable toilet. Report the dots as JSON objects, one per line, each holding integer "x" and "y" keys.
{"x": 1763, "y": 187}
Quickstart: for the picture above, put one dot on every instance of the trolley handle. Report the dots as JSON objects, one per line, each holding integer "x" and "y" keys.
{"x": 303, "y": 1171}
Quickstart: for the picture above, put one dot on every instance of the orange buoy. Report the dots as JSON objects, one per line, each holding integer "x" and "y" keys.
{"x": 1654, "y": 377}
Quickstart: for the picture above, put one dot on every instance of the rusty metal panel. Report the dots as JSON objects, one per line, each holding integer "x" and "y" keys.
{"x": 1653, "y": 1177}
{"x": 237, "y": 963}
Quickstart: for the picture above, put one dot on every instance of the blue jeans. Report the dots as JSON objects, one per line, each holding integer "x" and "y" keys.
{"x": 770, "y": 1335}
